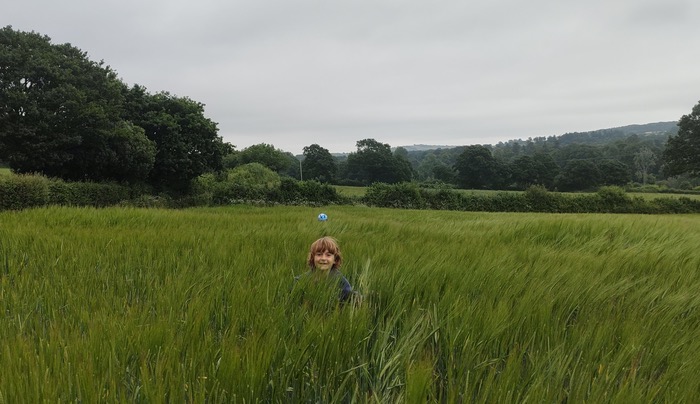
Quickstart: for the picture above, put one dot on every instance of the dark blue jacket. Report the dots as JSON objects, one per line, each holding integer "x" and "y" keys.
{"x": 345, "y": 288}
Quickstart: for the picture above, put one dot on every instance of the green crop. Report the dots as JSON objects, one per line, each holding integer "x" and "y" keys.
{"x": 138, "y": 305}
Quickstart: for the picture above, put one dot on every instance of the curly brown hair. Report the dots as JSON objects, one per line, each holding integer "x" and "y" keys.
{"x": 325, "y": 244}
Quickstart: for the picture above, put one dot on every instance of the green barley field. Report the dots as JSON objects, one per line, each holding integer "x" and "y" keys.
{"x": 199, "y": 305}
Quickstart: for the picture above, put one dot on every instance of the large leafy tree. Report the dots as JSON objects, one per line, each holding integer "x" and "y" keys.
{"x": 318, "y": 164}
{"x": 60, "y": 113}
{"x": 476, "y": 168}
{"x": 374, "y": 162}
{"x": 186, "y": 142}
{"x": 644, "y": 161}
{"x": 682, "y": 153}
{"x": 613, "y": 172}
{"x": 402, "y": 166}
{"x": 579, "y": 175}
{"x": 538, "y": 169}
{"x": 267, "y": 155}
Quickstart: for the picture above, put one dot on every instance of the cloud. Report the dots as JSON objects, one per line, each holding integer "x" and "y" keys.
{"x": 297, "y": 72}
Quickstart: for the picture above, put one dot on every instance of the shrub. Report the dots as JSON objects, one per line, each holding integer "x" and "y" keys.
{"x": 538, "y": 199}
{"x": 86, "y": 193}
{"x": 676, "y": 205}
{"x": 508, "y": 202}
{"x": 253, "y": 176}
{"x": 613, "y": 199}
{"x": 23, "y": 191}
{"x": 316, "y": 192}
{"x": 90, "y": 194}
{"x": 403, "y": 195}
{"x": 442, "y": 199}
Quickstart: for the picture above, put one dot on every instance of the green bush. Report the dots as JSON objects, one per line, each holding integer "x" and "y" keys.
{"x": 94, "y": 194}
{"x": 442, "y": 199}
{"x": 253, "y": 176}
{"x": 318, "y": 193}
{"x": 509, "y": 202}
{"x": 26, "y": 191}
{"x": 538, "y": 199}
{"x": 675, "y": 205}
{"x": 612, "y": 199}
{"x": 254, "y": 184}
{"x": 23, "y": 191}
{"x": 404, "y": 195}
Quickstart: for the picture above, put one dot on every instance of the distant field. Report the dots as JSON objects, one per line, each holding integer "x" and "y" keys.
{"x": 199, "y": 305}
{"x": 360, "y": 191}
{"x": 5, "y": 171}
{"x": 350, "y": 191}
{"x": 662, "y": 195}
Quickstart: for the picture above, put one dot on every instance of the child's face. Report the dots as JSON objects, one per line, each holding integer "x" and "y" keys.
{"x": 324, "y": 260}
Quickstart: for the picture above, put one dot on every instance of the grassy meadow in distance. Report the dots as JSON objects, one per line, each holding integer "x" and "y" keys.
{"x": 359, "y": 192}
{"x": 136, "y": 305}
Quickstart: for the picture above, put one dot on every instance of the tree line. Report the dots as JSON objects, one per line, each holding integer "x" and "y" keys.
{"x": 640, "y": 159}
{"x": 68, "y": 117}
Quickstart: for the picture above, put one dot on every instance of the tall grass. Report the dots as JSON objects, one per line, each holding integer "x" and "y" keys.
{"x": 200, "y": 305}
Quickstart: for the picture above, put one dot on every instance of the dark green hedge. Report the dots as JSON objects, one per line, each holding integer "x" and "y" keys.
{"x": 289, "y": 192}
{"x": 26, "y": 191}
{"x": 23, "y": 191}
{"x": 534, "y": 199}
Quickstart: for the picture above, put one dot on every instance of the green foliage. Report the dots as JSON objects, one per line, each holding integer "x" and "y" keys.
{"x": 253, "y": 175}
{"x": 156, "y": 305}
{"x": 613, "y": 199}
{"x": 68, "y": 117}
{"x": 614, "y": 172}
{"x": 255, "y": 182}
{"x": 674, "y": 205}
{"x": 540, "y": 200}
{"x": 250, "y": 181}
{"x": 87, "y": 193}
{"x": 374, "y": 162}
{"x": 23, "y": 191}
{"x": 478, "y": 169}
{"x": 267, "y": 155}
{"x": 58, "y": 109}
{"x": 186, "y": 142}
{"x": 293, "y": 192}
{"x": 535, "y": 199}
{"x": 578, "y": 175}
{"x": 318, "y": 164}
{"x": 404, "y": 195}
{"x": 129, "y": 154}
{"x": 27, "y": 191}
{"x": 682, "y": 153}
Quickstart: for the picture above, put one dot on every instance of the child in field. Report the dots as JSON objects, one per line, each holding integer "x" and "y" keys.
{"x": 324, "y": 260}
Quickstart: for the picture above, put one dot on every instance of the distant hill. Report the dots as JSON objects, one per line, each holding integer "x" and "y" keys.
{"x": 648, "y": 128}
{"x": 599, "y": 136}
{"x": 423, "y": 147}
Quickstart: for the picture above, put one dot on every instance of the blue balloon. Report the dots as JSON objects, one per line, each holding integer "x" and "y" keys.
{"x": 322, "y": 217}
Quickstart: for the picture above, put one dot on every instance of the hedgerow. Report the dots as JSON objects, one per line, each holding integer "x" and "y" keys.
{"x": 26, "y": 191}
{"x": 534, "y": 199}
{"x": 31, "y": 190}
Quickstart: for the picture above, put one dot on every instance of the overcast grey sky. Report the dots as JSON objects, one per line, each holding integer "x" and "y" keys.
{"x": 296, "y": 72}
